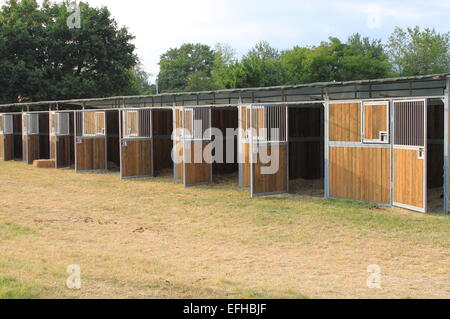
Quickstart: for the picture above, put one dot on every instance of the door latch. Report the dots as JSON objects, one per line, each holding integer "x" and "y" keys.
{"x": 384, "y": 137}
{"x": 421, "y": 153}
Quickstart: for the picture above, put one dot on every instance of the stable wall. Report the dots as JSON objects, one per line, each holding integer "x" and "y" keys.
{"x": 357, "y": 171}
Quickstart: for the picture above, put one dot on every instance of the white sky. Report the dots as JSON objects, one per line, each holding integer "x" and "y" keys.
{"x": 160, "y": 25}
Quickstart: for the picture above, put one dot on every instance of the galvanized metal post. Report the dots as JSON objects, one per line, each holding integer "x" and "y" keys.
{"x": 392, "y": 130}
{"x": 446, "y": 145}
{"x": 121, "y": 142}
{"x": 326, "y": 145}
{"x": 239, "y": 146}
{"x": 251, "y": 159}
{"x": 286, "y": 136}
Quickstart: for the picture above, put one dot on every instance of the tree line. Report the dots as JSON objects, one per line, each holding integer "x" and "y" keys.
{"x": 198, "y": 67}
{"x": 41, "y": 58}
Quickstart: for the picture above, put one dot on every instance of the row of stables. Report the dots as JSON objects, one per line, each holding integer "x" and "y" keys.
{"x": 382, "y": 141}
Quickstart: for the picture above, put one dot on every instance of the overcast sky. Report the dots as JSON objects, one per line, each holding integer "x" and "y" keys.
{"x": 163, "y": 24}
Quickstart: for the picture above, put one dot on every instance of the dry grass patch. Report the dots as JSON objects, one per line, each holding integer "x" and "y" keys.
{"x": 153, "y": 238}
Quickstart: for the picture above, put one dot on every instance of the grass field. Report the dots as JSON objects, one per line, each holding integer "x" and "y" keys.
{"x": 153, "y": 238}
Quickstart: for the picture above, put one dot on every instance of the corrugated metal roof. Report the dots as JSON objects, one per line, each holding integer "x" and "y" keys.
{"x": 166, "y": 98}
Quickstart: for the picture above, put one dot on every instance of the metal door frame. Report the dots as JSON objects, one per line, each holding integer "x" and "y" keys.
{"x": 415, "y": 148}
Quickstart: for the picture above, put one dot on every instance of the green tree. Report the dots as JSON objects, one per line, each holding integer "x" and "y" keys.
{"x": 186, "y": 68}
{"x": 416, "y": 52}
{"x": 140, "y": 82}
{"x": 296, "y": 62}
{"x": 261, "y": 66}
{"x": 358, "y": 58}
{"x": 41, "y": 58}
{"x": 224, "y": 58}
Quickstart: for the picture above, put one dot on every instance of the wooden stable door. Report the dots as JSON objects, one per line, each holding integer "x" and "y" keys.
{"x": 136, "y": 158}
{"x": 178, "y": 147}
{"x": 7, "y": 147}
{"x": 269, "y": 149}
{"x": 90, "y": 141}
{"x": 244, "y": 146}
{"x": 136, "y": 144}
{"x": 197, "y": 163}
{"x": 6, "y": 137}
{"x": 90, "y": 154}
{"x": 410, "y": 155}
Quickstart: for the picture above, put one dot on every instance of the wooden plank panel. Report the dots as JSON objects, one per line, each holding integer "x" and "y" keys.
{"x": 91, "y": 154}
{"x": 2, "y": 146}
{"x": 7, "y": 147}
{"x": 345, "y": 122}
{"x": 375, "y": 120}
{"x": 270, "y": 183}
{"x": 197, "y": 173}
{"x": 52, "y": 147}
{"x": 100, "y": 122}
{"x": 131, "y": 122}
{"x": 32, "y": 145}
{"x": 179, "y": 150}
{"x": 360, "y": 174}
{"x": 89, "y": 123}
{"x": 64, "y": 151}
{"x": 246, "y": 165}
{"x": 408, "y": 178}
{"x": 137, "y": 159}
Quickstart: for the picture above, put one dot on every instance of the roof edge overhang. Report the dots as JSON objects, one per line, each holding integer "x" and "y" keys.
{"x": 319, "y": 85}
